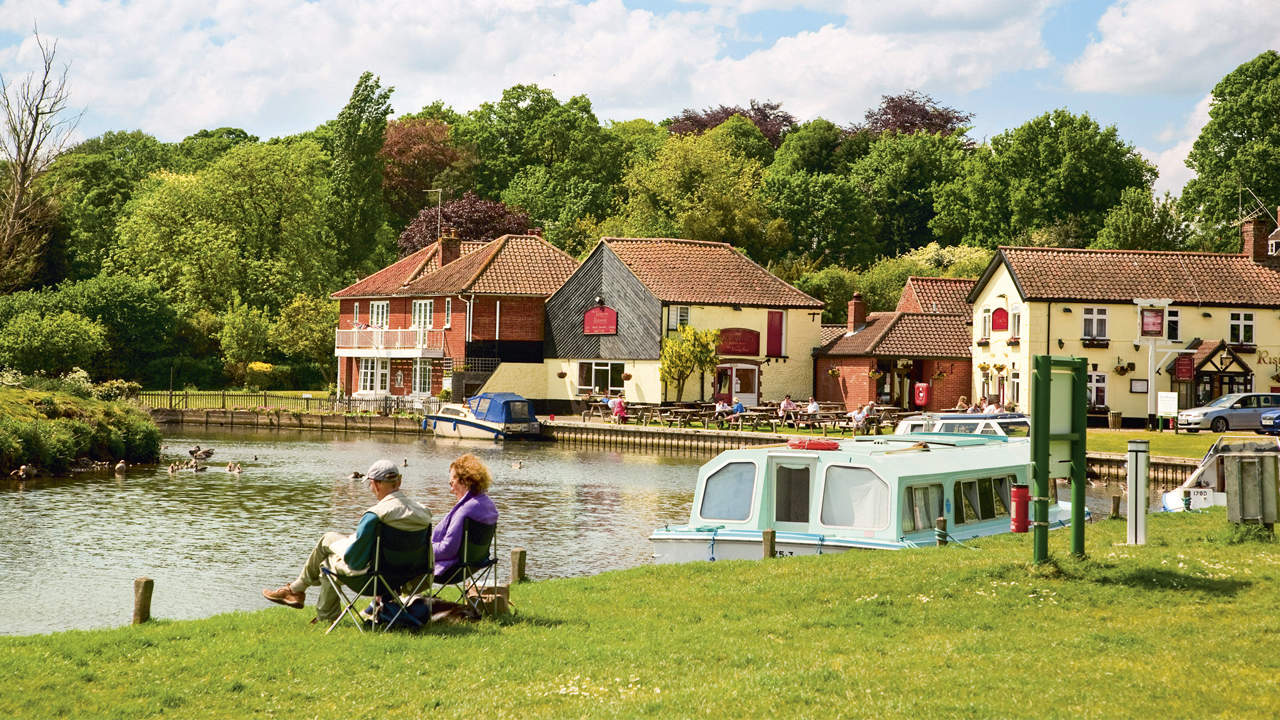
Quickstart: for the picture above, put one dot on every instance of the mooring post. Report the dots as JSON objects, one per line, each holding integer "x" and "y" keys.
{"x": 1115, "y": 506}
{"x": 1139, "y": 460}
{"x": 940, "y": 531}
{"x": 142, "y": 588}
{"x": 517, "y": 565}
{"x": 768, "y": 543}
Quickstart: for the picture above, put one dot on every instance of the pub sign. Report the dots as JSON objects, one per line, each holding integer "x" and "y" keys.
{"x": 1152, "y": 322}
{"x": 742, "y": 342}
{"x": 600, "y": 320}
{"x": 1184, "y": 368}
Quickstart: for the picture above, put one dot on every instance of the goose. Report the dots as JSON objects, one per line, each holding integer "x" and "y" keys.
{"x": 199, "y": 454}
{"x": 201, "y": 468}
{"x": 355, "y": 475}
{"x": 173, "y": 468}
{"x": 122, "y": 466}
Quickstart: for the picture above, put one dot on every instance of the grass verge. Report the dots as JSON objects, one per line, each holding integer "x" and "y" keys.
{"x": 52, "y": 429}
{"x": 1182, "y": 627}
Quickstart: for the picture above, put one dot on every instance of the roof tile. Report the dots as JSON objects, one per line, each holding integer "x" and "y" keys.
{"x": 510, "y": 265}
{"x": 904, "y": 334}
{"x": 941, "y": 295}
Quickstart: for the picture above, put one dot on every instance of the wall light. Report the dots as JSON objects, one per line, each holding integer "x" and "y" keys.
{"x": 1060, "y": 343}
{"x": 1206, "y": 314}
{"x": 1066, "y": 309}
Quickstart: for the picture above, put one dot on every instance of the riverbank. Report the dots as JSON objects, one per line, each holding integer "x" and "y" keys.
{"x": 53, "y": 430}
{"x": 1176, "y": 628}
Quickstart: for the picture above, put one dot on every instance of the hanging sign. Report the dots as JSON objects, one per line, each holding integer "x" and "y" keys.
{"x": 1000, "y": 319}
{"x": 1184, "y": 368}
{"x": 600, "y": 320}
{"x": 739, "y": 341}
{"x": 1153, "y": 322}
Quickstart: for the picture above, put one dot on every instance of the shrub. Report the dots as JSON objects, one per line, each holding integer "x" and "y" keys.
{"x": 53, "y": 343}
{"x": 116, "y": 390}
{"x": 141, "y": 438}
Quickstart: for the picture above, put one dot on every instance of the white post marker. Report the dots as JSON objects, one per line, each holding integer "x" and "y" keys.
{"x": 1136, "y": 476}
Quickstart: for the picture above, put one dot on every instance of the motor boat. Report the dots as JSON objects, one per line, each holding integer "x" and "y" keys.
{"x": 487, "y": 416}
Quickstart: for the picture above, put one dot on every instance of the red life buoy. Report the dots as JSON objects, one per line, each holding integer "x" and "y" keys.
{"x": 809, "y": 443}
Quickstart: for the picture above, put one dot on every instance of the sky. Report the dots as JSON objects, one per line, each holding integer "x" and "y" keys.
{"x": 277, "y": 67}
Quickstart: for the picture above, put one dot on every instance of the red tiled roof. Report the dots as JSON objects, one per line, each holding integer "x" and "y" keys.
{"x": 903, "y": 334}
{"x": 510, "y": 265}
{"x": 831, "y": 332}
{"x": 704, "y": 273}
{"x": 1122, "y": 275}
{"x": 947, "y": 296}
{"x": 391, "y": 278}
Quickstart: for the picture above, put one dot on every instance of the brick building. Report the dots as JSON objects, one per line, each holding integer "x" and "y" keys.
{"x": 447, "y": 316}
{"x": 882, "y": 356}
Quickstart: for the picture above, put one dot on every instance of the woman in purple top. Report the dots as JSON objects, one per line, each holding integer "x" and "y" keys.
{"x": 468, "y": 480}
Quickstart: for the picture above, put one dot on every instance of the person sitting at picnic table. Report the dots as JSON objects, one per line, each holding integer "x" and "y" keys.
{"x": 469, "y": 480}
{"x": 859, "y": 416}
{"x": 812, "y": 407}
{"x": 619, "y": 410}
{"x": 736, "y": 411}
{"x": 786, "y": 406}
{"x": 722, "y": 408}
{"x": 962, "y": 404}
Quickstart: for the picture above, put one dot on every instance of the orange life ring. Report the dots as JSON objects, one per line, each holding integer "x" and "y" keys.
{"x": 811, "y": 443}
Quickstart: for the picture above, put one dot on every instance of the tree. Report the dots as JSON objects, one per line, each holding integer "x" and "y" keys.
{"x": 819, "y": 146}
{"x": 358, "y": 211}
{"x": 244, "y": 338}
{"x": 738, "y": 135}
{"x": 1141, "y": 222}
{"x": 199, "y": 150}
{"x": 833, "y": 285}
{"x": 304, "y": 330}
{"x": 470, "y": 217}
{"x": 419, "y": 155}
{"x": 687, "y": 351}
{"x": 769, "y": 117}
{"x": 640, "y": 139}
{"x": 1237, "y": 155}
{"x": 50, "y": 343}
{"x": 900, "y": 175}
{"x": 915, "y": 112}
{"x": 36, "y": 129}
{"x": 1052, "y": 168}
{"x": 828, "y": 216}
{"x": 137, "y": 320}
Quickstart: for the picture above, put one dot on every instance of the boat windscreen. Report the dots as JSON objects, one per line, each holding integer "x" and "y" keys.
{"x": 1245, "y": 445}
{"x": 519, "y": 411}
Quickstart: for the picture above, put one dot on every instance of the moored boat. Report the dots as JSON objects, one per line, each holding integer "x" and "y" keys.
{"x": 829, "y": 495}
{"x": 1207, "y": 485}
{"x": 487, "y": 416}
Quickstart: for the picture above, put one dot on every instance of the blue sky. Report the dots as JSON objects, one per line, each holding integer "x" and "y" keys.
{"x": 276, "y": 67}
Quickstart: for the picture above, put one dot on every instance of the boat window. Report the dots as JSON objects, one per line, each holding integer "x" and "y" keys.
{"x": 728, "y": 491}
{"x": 856, "y": 498}
{"x": 518, "y": 411}
{"x": 791, "y": 501}
{"x": 982, "y": 499}
{"x": 920, "y": 507}
{"x": 482, "y": 407}
{"x": 1017, "y": 429}
{"x": 957, "y": 427}
{"x": 987, "y": 428}
{"x": 451, "y": 411}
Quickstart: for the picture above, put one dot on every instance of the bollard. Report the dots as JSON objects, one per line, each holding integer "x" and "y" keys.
{"x": 142, "y": 588}
{"x": 1136, "y": 476}
{"x": 768, "y": 543}
{"x": 517, "y": 566}
{"x": 1115, "y": 506}
{"x": 940, "y": 531}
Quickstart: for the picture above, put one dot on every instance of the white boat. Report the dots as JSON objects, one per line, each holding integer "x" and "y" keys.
{"x": 487, "y": 416}
{"x": 828, "y": 495}
{"x": 1207, "y": 485}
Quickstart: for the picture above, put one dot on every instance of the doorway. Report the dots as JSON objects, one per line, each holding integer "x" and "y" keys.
{"x": 792, "y": 484}
{"x": 738, "y": 380}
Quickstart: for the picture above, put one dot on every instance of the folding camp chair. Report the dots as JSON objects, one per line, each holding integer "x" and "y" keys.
{"x": 477, "y": 564}
{"x": 401, "y": 558}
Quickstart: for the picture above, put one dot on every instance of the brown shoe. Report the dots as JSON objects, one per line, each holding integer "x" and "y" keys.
{"x": 285, "y": 595}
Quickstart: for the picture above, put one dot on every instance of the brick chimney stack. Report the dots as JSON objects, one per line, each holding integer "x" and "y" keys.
{"x": 857, "y": 313}
{"x": 450, "y": 248}
{"x": 1253, "y": 234}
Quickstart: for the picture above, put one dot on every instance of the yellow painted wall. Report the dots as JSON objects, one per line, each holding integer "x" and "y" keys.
{"x": 542, "y": 381}
{"x": 1012, "y": 362}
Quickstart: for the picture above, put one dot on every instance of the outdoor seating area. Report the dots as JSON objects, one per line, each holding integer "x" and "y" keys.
{"x": 832, "y": 418}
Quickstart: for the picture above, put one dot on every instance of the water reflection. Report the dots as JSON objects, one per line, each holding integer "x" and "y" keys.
{"x": 212, "y": 540}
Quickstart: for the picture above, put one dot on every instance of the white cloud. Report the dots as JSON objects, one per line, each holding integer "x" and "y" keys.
{"x": 1171, "y": 162}
{"x": 1173, "y": 45}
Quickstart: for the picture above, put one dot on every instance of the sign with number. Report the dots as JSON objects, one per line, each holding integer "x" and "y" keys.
{"x": 1152, "y": 322}
{"x": 600, "y": 320}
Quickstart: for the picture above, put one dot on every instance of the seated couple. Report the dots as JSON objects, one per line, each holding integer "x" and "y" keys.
{"x": 469, "y": 480}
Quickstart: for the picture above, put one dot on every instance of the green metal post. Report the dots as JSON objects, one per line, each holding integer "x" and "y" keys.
{"x": 1041, "y": 372}
{"x": 1079, "y": 419}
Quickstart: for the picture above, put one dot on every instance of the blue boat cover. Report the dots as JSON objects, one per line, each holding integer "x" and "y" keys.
{"x": 501, "y": 408}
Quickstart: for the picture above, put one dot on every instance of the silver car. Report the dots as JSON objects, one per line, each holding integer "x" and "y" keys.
{"x": 1237, "y": 411}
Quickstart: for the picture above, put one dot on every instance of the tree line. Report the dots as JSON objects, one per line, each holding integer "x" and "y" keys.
{"x": 231, "y": 244}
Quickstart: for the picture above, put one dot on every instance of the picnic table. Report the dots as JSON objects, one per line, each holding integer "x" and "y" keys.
{"x": 679, "y": 416}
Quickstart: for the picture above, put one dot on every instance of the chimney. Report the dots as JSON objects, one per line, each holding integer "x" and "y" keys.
{"x": 857, "y": 313}
{"x": 1253, "y": 235}
{"x": 450, "y": 249}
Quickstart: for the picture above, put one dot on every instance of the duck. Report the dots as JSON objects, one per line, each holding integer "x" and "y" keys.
{"x": 406, "y": 462}
{"x": 355, "y": 475}
{"x": 233, "y": 468}
{"x": 201, "y": 468}
{"x": 121, "y": 466}
{"x": 173, "y": 468}
{"x": 517, "y": 465}
{"x": 199, "y": 454}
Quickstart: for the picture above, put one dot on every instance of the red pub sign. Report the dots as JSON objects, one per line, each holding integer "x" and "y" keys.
{"x": 600, "y": 320}
{"x": 739, "y": 341}
{"x": 1152, "y": 322}
{"x": 1184, "y": 368}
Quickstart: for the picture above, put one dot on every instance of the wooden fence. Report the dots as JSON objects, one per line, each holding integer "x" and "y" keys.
{"x": 231, "y": 400}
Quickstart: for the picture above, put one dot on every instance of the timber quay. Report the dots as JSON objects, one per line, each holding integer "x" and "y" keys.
{"x": 1166, "y": 472}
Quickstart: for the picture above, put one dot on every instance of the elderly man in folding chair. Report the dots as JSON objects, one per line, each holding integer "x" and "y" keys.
{"x": 352, "y": 554}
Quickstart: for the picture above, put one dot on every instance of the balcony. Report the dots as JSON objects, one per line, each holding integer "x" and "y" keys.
{"x": 376, "y": 342}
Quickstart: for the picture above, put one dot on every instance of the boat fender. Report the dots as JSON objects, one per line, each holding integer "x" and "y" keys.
{"x": 811, "y": 443}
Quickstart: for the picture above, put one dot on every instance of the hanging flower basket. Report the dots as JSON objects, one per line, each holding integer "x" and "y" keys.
{"x": 562, "y": 374}
{"x": 939, "y": 375}
{"x": 875, "y": 374}
{"x": 999, "y": 368}
{"x": 984, "y": 366}
{"x": 1121, "y": 370}
{"x": 834, "y": 372}
{"x": 626, "y": 376}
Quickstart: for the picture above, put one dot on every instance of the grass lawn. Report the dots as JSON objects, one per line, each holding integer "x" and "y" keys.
{"x": 1183, "y": 627}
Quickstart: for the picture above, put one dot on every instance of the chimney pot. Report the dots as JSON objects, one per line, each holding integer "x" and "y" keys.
{"x": 450, "y": 249}
{"x": 857, "y": 313}
{"x": 1254, "y": 233}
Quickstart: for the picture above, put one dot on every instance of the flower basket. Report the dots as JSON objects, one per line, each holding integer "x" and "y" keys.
{"x": 626, "y": 376}
{"x": 999, "y": 368}
{"x": 1121, "y": 370}
{"x": 834, "y": 372}
{"x": 939, "y": 375}
{"x": 562, "y": 374}
{"x": 1275, "y": 377}
{"x": 875, "y": 374}
{"x": 984, "y": 366}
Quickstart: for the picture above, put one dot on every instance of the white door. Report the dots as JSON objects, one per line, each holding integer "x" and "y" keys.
{"x": 746, "y": 384}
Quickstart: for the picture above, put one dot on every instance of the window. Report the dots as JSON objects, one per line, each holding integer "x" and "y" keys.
{"x": 986, "y": 323}
{"x": 1015, "y": 325}
{"x": 1241, "y": 328}
{"x": 600, "y": 376}
{"x": 983, "y": 499}
{"x": 355, "y": 314}
{"x": 1017, "y": 429}
{"x": 791, "y": 498}
{"x": 922, "y": 504}
{"x": 1172, "y": 319}
{"x": 965, "y": 427}
{"x": 677, "y": 316}
{"x": 728, "y": 492}
{"x": 374, "y": 374}
{"x": 448, "y": 314}
{"x": 1097, "y": 388}
{"x": 855, "y": 498}
{"x": 1095, "y": 323}
{"x": 422, "y": 312}
{"x": 379, "y": 314}
{"x": 1015, "y": 386}
{"x": 422, "y": 375}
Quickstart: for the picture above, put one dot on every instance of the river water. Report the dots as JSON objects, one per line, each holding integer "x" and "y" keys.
{"x": 71, "y": 547}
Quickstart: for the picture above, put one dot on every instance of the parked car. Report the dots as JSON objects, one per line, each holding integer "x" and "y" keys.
{"x": 1010, "y": 424}
{"x": 1237, "y": 411}
{"x": 1269, "y": 422}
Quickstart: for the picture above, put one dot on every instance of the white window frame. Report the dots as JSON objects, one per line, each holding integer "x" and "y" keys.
{"x": 595, "y": 365}
{"x": 986, "y": 323}
{"x": 375, "y": 375}
{"x": 1241, "y": 323}
{"x": 1093, "y": 323}
{"x": 384, "y": 375}
{"x": 1173, "y": 325}
{"x": 422, "y": 376}
{"x": 448, "y": 314}
{"x": 677, "y": 316}
{"x": 423, "y": 311}
{"x": 1015, "y": 387}
{"x": 380, "y": 311}
{"x": 1097, "y": 381}
{"x": 1015, "y": 324}
{"x": 355, "y": 313}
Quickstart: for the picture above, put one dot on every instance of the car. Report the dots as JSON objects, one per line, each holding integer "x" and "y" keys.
{"x": 1236, "y": 411}
{"x": 1269, "y": 422}
{"x": 1010, "y": 424}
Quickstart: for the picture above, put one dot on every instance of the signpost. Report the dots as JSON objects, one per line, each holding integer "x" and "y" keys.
{"x": 1058, "y": 415}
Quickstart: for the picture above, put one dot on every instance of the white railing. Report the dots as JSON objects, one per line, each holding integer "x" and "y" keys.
{"x": 377, "y": 338}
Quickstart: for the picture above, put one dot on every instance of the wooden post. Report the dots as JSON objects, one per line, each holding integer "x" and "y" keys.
{"x": 517, "y": 565}
{"x": 224, "y": 399}
{"x": 1115, "y": 506}
{"x": 768, "y": 543}
{"x": 940, "y": 531}
{"x": 142, "y": 588}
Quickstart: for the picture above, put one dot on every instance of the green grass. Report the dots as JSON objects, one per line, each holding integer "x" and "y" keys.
{"x": 1189, "y": 445}
{"x": 1183, "y": 627}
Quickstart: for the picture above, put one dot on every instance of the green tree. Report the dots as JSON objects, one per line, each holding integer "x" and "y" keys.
{"x": 1237, "y": 155}
{"x": 50, "y": 343}
{"x": 640, "y": 139}
{"x": 685, "y": 352}
{"x": 834, "y": 286}
{"x": 1142, "y": 222}
{"x": 900, "y": 175}
{"x": 741, "y": 137}
{"x": 244, "y": 337}
{"x": 828, "y": 216}
{"x": 819, "y": 146}
{"x": 199, "y": 150}
{"x": 358, "y": 212}
{"x": 1050, "y": 169}
{"x": 304, "y": 330}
